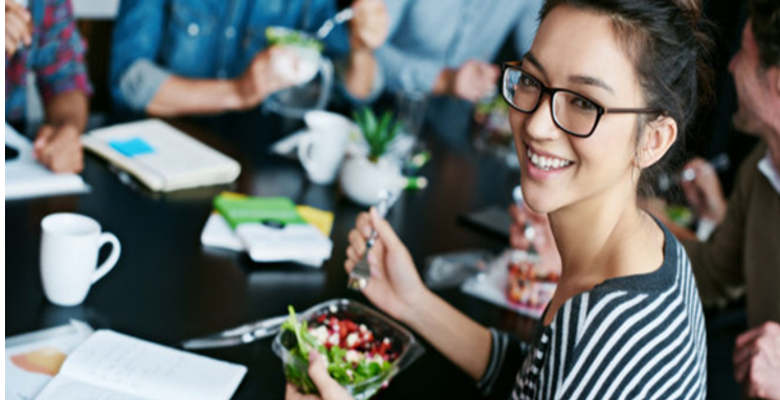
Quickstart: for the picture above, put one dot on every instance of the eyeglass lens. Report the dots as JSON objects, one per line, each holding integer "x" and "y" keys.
{"x": 571, "y": 112}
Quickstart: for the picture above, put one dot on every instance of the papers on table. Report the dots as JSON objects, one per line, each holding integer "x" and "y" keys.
{"x": 110, "y": 365}
{"x": 25, "y": 177}
{"x": 72, "y": 362}
{"x": 161, "y": 157}
{"x": 269, "y": 229}
{"x": 32, "y": 359}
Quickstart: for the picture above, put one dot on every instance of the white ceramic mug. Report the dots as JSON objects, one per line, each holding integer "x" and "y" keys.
{"x": 321, "y": 153}
{"x": 69, "y": 253}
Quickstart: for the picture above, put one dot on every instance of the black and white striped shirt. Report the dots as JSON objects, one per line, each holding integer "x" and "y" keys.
{"x": 633, "y": 337}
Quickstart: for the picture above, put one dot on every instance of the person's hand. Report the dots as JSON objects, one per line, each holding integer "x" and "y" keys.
{"x": 704, "y": 193}
{"x": 262, "y": 77}
{"x": 472, "y": 81}
{"x": 59, "y": 148}
{"x": 18, "y": 27}
{"x": 757, "y": 361}
{"x": 395, "y": 284}
{"x": 370, "y": 25}
{"x": 543, "y": 240}
{"x": 328, "y": 387}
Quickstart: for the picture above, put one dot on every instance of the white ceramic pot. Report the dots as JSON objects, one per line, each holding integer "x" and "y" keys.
{"x": 362, "y": 180}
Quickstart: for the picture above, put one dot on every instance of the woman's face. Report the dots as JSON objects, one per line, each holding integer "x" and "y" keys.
{"x": 577, "y": 50}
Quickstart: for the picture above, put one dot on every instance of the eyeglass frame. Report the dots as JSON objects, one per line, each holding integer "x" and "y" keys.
{"x": 600, "y": 110}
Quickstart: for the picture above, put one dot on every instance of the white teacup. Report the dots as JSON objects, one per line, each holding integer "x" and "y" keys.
{"x": 321, "y": 153}
{"x": 69, "y": 253}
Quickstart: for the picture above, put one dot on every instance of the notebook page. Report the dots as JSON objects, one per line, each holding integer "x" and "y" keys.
{"x": 65, "y": 388}
{"x": 144, "y": 369}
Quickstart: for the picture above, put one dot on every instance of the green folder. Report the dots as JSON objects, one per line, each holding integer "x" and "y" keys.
{"x": 237, "y": 211}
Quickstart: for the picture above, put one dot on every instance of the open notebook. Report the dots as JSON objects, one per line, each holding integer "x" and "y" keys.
{"x": 160, "y": 156}
{"x": 110, "y": 365}
{"x": 25, "y": 177}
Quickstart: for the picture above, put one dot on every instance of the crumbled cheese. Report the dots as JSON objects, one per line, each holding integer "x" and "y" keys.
{"x": 363, "y": 328}
{"x": 352, "y": 339}
{"x": 320, "y": 333}
{"x": 352, "y": 356}
{"x": 334, "y": 339}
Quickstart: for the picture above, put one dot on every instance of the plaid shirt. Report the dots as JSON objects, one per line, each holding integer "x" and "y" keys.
{"x": 56, "y": 55}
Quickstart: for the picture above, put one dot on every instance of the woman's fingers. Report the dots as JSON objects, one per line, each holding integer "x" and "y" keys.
{"x": 357, "y": 242}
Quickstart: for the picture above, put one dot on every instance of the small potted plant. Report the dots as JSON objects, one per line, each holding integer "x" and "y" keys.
{"x": 363, "y": 177}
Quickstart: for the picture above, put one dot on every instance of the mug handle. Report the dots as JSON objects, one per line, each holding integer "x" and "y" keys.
{"x": 109, "y": 264}
{"x": 304, "y": 151}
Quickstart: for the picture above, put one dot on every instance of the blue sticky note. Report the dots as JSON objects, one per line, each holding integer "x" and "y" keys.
{"x": 131, "y": 147}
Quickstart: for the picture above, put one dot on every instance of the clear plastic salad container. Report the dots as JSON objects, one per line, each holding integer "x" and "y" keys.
{"x": 402, "y": 342}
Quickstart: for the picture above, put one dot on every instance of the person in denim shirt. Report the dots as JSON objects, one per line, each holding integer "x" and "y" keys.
{"x": 174, "y": 57}
{"x": 446, "y": 50}
{"x": 45, "y": 40}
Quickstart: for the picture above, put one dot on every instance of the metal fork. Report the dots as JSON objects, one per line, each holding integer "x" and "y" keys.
{"x": 340, "y": 18}
{"x": 360, "y": 275}
{"x": 528, "y": 230}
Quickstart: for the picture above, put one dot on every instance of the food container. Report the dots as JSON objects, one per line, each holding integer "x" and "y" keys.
{"x": 526, "y": 283}
{"x": 402, "y": 342}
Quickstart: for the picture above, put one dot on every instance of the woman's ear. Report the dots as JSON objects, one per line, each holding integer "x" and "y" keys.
{"x": 658, "y": 138}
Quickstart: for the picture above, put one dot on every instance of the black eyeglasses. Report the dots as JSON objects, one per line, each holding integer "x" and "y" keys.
{"x": 574, "y": 113}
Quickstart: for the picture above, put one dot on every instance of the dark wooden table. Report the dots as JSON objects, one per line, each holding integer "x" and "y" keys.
{"x": 167, "y": 287}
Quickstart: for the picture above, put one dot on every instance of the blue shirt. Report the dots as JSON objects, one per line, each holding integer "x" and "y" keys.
{"x": 206, "y": 39}
{"x": 427, "y": 36}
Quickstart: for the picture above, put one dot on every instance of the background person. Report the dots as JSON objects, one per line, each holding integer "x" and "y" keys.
{"x": 203, "y": 57}
{"x": 447, "y": 50}
{"x": 44, "y": 40}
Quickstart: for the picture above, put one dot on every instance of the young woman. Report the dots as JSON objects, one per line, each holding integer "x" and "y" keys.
{"x": 606, "y": 90}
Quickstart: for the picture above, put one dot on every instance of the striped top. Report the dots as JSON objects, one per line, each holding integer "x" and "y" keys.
{"x": 633, "y": 337}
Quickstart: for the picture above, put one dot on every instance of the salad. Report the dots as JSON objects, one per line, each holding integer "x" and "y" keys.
{"x": 290, "y": 37}
{"x": 354, "y": 353}
{"x": 527, "y": 283}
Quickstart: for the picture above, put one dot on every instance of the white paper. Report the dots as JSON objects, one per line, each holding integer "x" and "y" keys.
{"x": 217, "y": 233}
{"x": 20, "y": 382}
{"x": 113, "y": 363}
{"x": 25, "y": 177}
{"x": 292, "y": 242}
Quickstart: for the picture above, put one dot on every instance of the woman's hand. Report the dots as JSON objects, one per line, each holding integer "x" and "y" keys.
{"x": 703, "y": 192}
{"x": 18, "y": 27}
{"x": 328, "y": 387}
{"x": 395, "y": 285}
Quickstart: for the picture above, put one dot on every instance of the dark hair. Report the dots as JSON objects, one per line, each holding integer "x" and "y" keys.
{"x": 665, "y": 39}
{"x": 765, "y": 17}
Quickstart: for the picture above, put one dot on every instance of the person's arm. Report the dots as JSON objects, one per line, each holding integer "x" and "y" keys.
{"x": 64, "y": 86}
{"x": 396, "y": 288}
{"x": 58, "y": 143}
{"x": 717, "y": 263}
{"x": 138, "y": 83}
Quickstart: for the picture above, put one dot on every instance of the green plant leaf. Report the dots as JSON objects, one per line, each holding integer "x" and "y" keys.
{"x": 370, "y": 121}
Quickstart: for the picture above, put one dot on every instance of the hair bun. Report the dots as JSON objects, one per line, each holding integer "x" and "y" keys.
{"x": 693, "y": 10}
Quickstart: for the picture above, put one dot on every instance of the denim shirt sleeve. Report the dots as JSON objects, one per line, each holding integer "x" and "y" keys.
{"x": 134, "y": 76}
{"x": 401, "y": 70}
{"x": 527, "y": 23}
